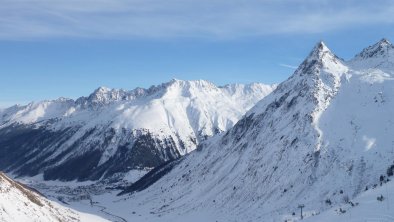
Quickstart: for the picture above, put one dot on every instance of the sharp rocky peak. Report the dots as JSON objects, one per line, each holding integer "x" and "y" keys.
{"x": 321, "y": 54}
{"x": 317, "y": 77}
{"x": 102, "y": 89}
{"x": 104, "y": 95}
{"x": 321, "y": 58}
{"x": 190, "y": 82}
{"x": 384, "y": 41}
{"x": 176, "y": 84}
{"x": 380, "y": 49}
{"x": 319, "y": 51}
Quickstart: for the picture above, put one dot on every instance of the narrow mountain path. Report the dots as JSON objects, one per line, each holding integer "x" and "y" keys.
{"x": 103, "y": 209}
{"x": 114, "y": 217}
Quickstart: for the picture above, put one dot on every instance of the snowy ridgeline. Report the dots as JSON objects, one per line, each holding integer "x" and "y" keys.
{"x": 114, "y": 131}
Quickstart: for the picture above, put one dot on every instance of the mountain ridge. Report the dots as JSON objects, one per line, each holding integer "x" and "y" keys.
{"x": 316, "y": 137}
{"x": 141, "y": 128}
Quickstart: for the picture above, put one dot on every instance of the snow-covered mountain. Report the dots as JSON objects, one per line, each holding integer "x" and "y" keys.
{"x": 113, "y": 131}
{"x": 320, "y": 138}
{"x": 20, "y": 203}
{"x": 378, "y": 56}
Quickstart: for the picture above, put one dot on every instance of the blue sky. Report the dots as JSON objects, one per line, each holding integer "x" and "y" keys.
{"x": 68, "y": 48}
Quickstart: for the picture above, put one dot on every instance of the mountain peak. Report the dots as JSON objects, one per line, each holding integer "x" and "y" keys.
{"x": 100, "y": 92}
{"x": 104, "y": 95}
{"x": 320, "y": 52}
{"x": 102, "y": 89}
{"x": 173, "y": 80}
{"x": 384, "y": 41}
{"x": 321, "y": 57}
{"x": 189, "y": 83}
{"x": 377, "y": 56}
{"x": 321, "y": 46}
{"x": 380, "y": 49}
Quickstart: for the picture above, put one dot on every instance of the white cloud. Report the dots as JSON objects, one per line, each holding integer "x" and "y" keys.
{"x": 288, "y": 66}
{"x": 176, "y": 18}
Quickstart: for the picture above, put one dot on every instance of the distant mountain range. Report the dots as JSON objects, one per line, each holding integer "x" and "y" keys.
{"x": 113, "y": 131}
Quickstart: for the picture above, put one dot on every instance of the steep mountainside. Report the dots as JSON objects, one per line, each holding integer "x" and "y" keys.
{"x": 113, "y": 131}
{"x": 320, "y": 138}
{"x": 20, "y": 203}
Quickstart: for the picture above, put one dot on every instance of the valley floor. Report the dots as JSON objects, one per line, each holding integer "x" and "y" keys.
{"x": 84, "y": 197}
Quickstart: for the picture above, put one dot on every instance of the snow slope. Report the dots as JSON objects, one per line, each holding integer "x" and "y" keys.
{"x": 366, "y": 207}
{"x": 19, "y": 203}
{"x": 113, "y": 131}
{"x": 323, "y": 134}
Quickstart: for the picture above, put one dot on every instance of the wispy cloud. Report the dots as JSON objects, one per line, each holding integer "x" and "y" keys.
{"x": 177, "y": 18}
{"x": 288, "y": 66}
